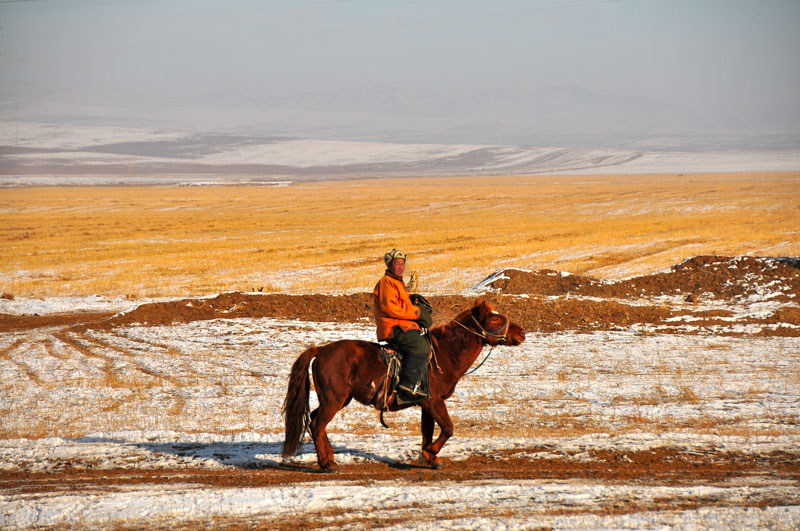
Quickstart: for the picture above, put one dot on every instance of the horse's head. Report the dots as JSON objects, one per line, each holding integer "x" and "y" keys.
{"x": 496, "y": 328}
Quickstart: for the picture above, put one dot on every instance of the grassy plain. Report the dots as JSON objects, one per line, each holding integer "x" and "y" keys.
{"x": 329, "y": 237}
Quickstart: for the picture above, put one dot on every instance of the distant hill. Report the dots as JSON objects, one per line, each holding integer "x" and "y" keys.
{"x": 54, "y": 149}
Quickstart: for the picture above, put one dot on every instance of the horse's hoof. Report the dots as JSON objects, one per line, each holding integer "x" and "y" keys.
{"x": 435, "y": 463}
{"x": 330, "y": 469}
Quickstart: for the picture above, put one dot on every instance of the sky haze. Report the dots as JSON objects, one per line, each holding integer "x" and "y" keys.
{"x": 624, "y": 73}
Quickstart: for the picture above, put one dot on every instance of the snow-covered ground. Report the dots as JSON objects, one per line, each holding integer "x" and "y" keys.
{"x": 53, "y": 305}
{"x": 525, "y": 504}
{"x": 100, "y": 152}
{"x": 33, "y": 135}
{"x": 207, "y": 395}
{"x": 229, "y": 375}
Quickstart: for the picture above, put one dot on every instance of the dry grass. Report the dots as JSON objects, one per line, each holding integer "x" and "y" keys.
{"x": 329, "y": 236}
{"x": 687, "y": 394}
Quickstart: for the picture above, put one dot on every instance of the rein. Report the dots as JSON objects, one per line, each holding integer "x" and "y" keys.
{"x": 481, "y": 363}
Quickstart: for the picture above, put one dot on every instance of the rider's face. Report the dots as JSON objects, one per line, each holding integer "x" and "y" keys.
{"x": 397, "y": 267}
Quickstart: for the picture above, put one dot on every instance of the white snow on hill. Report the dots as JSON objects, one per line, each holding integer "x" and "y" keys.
{"x": 32, "y": 149}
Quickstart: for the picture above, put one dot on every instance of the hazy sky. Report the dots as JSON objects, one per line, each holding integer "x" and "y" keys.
{"x": 460, "y": 70}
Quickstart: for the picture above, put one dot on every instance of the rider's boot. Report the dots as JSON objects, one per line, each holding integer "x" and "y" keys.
{"x": 408, "y": 390}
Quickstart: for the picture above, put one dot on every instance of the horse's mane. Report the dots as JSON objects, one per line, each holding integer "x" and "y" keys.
{"x": 449, "y": 324}
{"x": 448, "y": 332}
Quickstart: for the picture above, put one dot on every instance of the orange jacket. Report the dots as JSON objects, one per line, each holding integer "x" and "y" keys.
{"x": 392, "y": 306}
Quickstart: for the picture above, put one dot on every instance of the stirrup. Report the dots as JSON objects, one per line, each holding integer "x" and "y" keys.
{"x": 403, "y": 398}
{"x": 415, "y": 392}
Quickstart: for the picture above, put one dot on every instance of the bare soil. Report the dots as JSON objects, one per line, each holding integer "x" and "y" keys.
{"x": 656, "y": 466}
{"x": 533, "y": 314}
{"x": 11, "y": 323}
{"x": 544, "y": 301}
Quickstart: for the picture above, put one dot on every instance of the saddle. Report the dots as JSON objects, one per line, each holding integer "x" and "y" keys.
{"x": 388, "y": 385}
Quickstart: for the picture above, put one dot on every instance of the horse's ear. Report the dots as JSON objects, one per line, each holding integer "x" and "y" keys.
{"x": 476, "y": 308}
{"x": 481, "y": 308}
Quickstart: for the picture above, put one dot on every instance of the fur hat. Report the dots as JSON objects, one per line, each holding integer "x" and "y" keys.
{"x": 394, "y": 254}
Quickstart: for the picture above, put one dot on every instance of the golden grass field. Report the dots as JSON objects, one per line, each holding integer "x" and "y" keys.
{"x": 329, "y": 237}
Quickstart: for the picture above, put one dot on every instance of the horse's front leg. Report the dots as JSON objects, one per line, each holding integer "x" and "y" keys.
{"x": 427, "y": 435}
{"x": 434, "y": 411}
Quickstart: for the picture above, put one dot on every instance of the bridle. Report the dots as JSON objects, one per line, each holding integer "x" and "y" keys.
{"x": 485, "y": 335}
{"x": 501, "y": 334}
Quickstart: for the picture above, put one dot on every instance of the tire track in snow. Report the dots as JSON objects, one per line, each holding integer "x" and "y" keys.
{"x": 136, "y": 364}
{"x": 5, "y": 352}
{"x": 193, "y": 373}
{"x": 26, "y": 369}
{"x": 150, "y": 344}
{"x": 49, "y": 347}
{"x": 73, "y": 368}
{"x": 29, "y": 372}
{"x": 108, "y": 368}
{"x": 105, "y": 345}
{"x": 167, "y": 348}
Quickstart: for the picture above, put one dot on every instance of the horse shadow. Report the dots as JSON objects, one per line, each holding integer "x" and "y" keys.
{"x": 248, "y": 455}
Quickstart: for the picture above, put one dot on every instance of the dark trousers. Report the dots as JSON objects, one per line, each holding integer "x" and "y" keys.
{"x": 415, "y": 350}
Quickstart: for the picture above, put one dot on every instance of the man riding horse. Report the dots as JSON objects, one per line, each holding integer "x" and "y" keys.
{"x": 400, "y": 323}
{"x": 349, "y": 369}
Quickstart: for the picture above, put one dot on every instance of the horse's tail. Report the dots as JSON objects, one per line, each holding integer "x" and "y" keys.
{"x": 295, "y": 406}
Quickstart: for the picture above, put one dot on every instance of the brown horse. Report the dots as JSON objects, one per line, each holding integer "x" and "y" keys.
{"x": 350, "y": 369}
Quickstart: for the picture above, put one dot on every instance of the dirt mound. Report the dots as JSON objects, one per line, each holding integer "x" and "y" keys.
{"x": 546, "y": 282}
{"x": 702, "y": 277}
{"x": 338, "y": 308}
{"x": 536, "y": 315}
{"x": 718, "y": 277}
{"x": 341, "y": 308}
{"x": 532, "y": 314}
{"x": 14, "y": 323}
{"x": 724, "y": 278}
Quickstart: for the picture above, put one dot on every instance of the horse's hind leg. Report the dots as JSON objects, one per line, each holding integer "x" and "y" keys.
{"x": 329, "y": 405}
{"x": 320, "y": 436}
